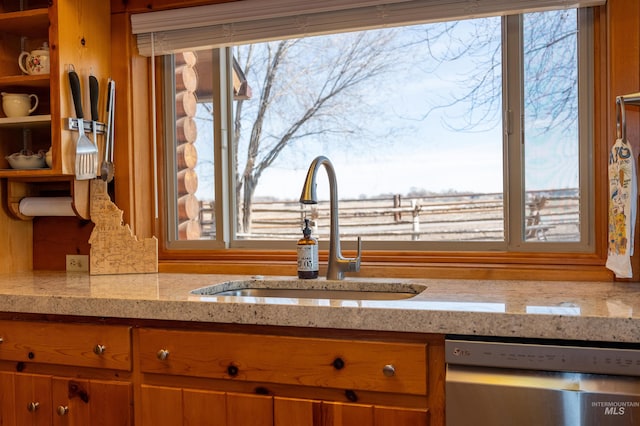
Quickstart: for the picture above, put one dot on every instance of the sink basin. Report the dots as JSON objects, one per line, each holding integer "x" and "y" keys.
{"x": 307, "y": 289}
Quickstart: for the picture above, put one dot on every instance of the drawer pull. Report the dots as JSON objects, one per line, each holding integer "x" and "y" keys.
{"x": 32, "y": 407}
{"x": 389, "y": 370}
{"x": 338, "y": 363}
{"x": 99, "y": 349}
{"x": 1, "y": 339}
{"x": 62, "y": 410}
{"x": 162, "y": 354}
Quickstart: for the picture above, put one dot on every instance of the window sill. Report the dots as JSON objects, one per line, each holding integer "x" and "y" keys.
{"x": 576, "y": 267}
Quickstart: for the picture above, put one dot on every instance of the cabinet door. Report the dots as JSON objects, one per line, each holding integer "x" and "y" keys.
{"x": 296, "y": 412}
{"x": 161, "y": 406}
{"x": 249, "y": 410}
{"x": 110, "y": 403}
{"x": 166, "y": 406}
{"x": 70, "y": 402}
{"x": 394, "y": 416}
{"x": 204, "y": 408}
{"x": 7, "y": 399}
{"x": 91, "y": 402}
{"x": 33, "y": 400}
{"x": 341, "y": 414}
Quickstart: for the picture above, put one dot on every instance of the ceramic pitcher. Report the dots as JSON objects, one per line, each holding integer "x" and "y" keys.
{"x": 18, "y": 104}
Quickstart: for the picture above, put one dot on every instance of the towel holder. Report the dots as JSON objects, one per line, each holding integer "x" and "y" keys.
{"x": 621, "y": 120}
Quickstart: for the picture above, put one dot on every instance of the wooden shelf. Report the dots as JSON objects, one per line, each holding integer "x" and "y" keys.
{"x": 31, "y": 23}
{"x": 29, "y": 175}
{"x": 31, "y": 121}
{"x": 26, "y": 81}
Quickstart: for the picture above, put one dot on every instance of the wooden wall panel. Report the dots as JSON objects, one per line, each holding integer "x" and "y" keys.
{"x": 133, "y": 160}
{"x": 16, "y": 236}
{"x": 137, "y": 6}
{"x": 55, "y": 237}
{"x": 623, "y": 22}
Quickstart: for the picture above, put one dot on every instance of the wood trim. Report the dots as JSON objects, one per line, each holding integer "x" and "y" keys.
{"x": 623, "y": 77}
{"x": 139, "y": 6}
{"x": 505, "y": 271}
{"x": 133, "y": 158}
{"x": 405, "y": 264}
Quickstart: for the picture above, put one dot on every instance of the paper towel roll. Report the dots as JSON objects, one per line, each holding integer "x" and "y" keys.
{"x": 46, "y": 206}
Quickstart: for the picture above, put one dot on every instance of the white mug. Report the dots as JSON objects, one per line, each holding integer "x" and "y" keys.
{"x": 18, "y": 104}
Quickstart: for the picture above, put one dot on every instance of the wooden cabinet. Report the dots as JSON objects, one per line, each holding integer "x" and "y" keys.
{"x": 36, "y": 399}
{"x": 178, "y": 406}
{"x": 219, "y": 378}
{"x": 77, "y": 33}
{"x": 75, "y": 379}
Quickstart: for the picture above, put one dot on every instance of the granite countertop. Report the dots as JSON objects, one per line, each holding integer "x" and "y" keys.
{"x": 595, "y": 311}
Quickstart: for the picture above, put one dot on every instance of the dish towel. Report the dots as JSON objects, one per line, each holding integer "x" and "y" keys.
{"x": 623, "y": 196}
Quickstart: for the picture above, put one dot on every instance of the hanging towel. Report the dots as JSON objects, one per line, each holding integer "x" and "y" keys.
{"x": 623, "y": 196}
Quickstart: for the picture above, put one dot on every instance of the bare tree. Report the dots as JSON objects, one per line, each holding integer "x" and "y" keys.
{"x": 312, "y": 88}
{"x": 550, "y": 71}
{"x": 303, "y": 94}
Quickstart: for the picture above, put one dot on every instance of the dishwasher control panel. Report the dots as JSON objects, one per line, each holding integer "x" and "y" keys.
{"x": 549, "y": 357}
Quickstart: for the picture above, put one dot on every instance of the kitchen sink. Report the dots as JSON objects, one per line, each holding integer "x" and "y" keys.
{"x": 312, "y": 289}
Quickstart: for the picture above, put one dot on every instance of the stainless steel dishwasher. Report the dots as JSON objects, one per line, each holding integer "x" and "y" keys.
{"x": 535, "y": 382}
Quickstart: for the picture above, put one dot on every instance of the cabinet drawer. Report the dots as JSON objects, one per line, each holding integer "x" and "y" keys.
{"x": 332, "y": 363}
{"x": 81, "y": 345}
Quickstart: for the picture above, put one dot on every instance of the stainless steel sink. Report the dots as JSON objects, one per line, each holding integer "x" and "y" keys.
{"x": 316, "y": 289}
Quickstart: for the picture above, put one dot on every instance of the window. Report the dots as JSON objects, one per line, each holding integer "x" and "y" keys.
{"x": 460, "y": 135}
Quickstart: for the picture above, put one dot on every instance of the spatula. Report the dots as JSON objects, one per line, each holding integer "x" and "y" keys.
{"x": 86, "y": 151}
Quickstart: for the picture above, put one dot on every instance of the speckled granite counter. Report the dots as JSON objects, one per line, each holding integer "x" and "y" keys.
{"x": 564, "y": 310}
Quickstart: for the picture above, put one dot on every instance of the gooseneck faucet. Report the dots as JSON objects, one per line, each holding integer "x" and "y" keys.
{"x": 338, "y": 265}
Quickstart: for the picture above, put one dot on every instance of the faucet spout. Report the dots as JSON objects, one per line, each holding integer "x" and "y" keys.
{"x": 338, "y": 264}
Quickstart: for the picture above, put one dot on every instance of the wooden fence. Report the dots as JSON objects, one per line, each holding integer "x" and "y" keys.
{"x": 551, "y": 216}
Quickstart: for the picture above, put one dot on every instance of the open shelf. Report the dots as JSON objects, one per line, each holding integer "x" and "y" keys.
{"x": 30, "y": 23}
{"x": 31, "y": 121}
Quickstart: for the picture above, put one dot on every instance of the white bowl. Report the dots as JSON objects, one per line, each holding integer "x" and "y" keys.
{"x": 19, "y": 160}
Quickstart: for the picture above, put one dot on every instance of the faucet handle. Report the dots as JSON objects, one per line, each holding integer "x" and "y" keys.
{"x": 354, "y": 264}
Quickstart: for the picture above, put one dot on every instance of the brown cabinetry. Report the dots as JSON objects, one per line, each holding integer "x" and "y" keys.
{"x": 77, "y": 33}
{"x": 201, "y": 377}
{"x": 64, "y": 374}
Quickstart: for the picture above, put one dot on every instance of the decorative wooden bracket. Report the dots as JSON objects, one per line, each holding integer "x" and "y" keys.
{"x": 114, "y": 248}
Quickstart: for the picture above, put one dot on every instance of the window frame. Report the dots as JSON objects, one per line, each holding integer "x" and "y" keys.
{"x": 512, "y": 151}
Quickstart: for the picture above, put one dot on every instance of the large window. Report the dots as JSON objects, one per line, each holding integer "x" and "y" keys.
{"x": 462, "y": 135}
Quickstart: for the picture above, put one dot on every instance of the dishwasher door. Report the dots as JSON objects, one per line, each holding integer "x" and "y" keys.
{"x": 487, "y": 396}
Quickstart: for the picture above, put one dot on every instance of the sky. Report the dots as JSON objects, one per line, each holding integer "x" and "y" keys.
{"x": 427, "y": 155}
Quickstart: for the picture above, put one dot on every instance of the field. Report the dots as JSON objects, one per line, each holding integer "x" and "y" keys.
{"x": 550, "y": 216}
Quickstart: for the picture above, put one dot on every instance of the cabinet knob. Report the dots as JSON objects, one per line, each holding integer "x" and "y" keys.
{"x": 389, "y": 370}
{"x": 32, "y": 406}
{"x": 232, "y": 370}
{"x": 338, "y": 363}
{"x": 62, "y": 410}
{"x": 99, "y": 349}
{"x": 162, "y": 354}
{"x": 1, "y": 339}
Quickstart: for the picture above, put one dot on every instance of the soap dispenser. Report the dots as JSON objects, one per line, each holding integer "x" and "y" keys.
{"x": 307, "y": 254}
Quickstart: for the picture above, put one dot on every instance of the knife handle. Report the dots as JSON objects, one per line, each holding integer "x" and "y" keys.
{"x": 74, "y": 82}
{"x": 94, "y": 93}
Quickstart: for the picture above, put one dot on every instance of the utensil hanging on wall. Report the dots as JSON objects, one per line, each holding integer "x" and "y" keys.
{"x": 94, "y": 95}
{"x": 86, "y": 152}
{"x": 106, "y": 168}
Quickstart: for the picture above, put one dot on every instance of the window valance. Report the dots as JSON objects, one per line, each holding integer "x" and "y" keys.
{"x": 245, "y": 21}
